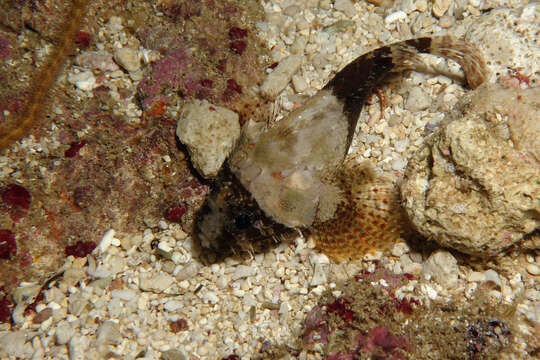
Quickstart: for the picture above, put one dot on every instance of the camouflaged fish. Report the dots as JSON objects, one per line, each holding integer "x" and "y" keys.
{"x": 289, "y": 171}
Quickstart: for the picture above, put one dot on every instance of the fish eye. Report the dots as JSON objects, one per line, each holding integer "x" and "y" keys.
{"x": 242, "y": 221}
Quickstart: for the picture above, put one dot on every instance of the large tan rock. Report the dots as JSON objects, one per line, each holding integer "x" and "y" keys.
{"x": 475, "y": 185}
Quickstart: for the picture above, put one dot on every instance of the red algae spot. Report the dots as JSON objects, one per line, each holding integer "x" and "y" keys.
{"x": 211, "y": 108}
{"x": 175, "y": 213}
{"x": 233, "y": 86}
{"x": 238, "y": 46}
{"x": 236, "y": 33}
{"x": 17, "y": 197}
{"x": 405, "y": 306}
{"x": 408, "y": 276}
{"x": 8, "y": 245}
{"x": 81, "y": 248}
{"x": 83, "y": 39}
{"x": 178, "y": 325}
{"x": 381, "y": 337}
{"x": 207, "y": 83}
{"x": 222, "y": 65}
{"x": 273, "y": 65}
{"x": 4, "y": 47}
{"x": 231, "y": 357}
{"x": 341, "y": 307}
{"x": 74, "y": 148}
{"x": 6, "y": 307}
{"x": 158, "y": 108}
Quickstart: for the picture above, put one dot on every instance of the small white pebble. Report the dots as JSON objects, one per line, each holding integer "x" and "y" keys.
{"x": 395, "y": 16}
{"x": 533, "y": 269}
{"x": 105, "y": 242}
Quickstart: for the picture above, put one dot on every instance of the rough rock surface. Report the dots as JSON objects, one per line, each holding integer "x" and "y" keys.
{"x": 209, "y": 133}
{"x": 475, "y": 185}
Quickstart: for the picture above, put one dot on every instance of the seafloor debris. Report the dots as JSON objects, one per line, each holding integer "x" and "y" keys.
{"x": 368, "y": 321}
{"x": 475, "y": 185}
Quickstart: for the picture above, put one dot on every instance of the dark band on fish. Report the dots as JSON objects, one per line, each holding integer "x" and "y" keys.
{"x": 355, "y": 82}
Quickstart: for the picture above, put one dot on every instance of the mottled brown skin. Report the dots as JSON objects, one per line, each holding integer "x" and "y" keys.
{"x": 369, "y": 218}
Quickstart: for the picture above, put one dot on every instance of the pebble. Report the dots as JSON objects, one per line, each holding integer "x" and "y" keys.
{"x": 243, "y": 271}
{"x": 442, "y": 267}
{"x": 77, "y": 303}
{"x": 84, "y": 80}
{"x": 446, "y": 21}
{"x": 173, "y": 354}
{"x": 476, "y": 276}
{"x": 440, "y": 7}
{"x": 97, "y": 60}
{"x": 128, "y": 59}
{"x": 299, "y": 83}
{"x": 210, "y": 297}
{"x": 108, "y": 333}
{"x": 492, "y": 275}
{"x": 278, "y": 79}
{"x": 417, "y": 100}
{"x": 105, "y": 242}
{"x": 155, "y": 282}
{"x": 319, "y": 275}
{"x": 173, "y": 305}
{"x": 346, "y": 7}
{"x": 13, "y": 343}
{"x": 299, "y": 45}
{"x": 77, "y": 346}
{"x": 395, "y": 17}
{"x": 533, "y": 269}
{"x": 126, "y": 295}
{"x": 188, "y": 271}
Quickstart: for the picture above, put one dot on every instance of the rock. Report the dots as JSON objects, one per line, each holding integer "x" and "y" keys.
{"x": 440, "y": 7}
{"x": 114, "y": 306}
{"x": 243, "y": 271}
{"x": 96, "y": 60}
{"x": 533, "y": 269}
{"x": 108, "y": 333}
{"x": 476, "y": 276}
{"x": 78, "y": 346}
{"x": 13, "y": 343}
{"x": 468, "y": 187}
{"x": 173, "y": 354}
{"x": 395, "y": 16}
{"x": 188, "y": 271}
{"x": 319, "y": 275}
{"x": 299, "y": 83}
{"x": 173, "y": 305}
{"x": 128, "y": 59}
{"x": 417, "y": 100}
{"x": 382, "y": 3}
{"x": 346, "y": 7}
{"x": 155, "y": 283}
{"x": 63, "y": 333}
{"x": 83, "y": 80}
{"x": 508, "y": 29}
{"x": 209, "y": 133}
{"x": 493, "y": 276}
{"x": 77, "y": 303}
{"x": 42, "y": 315}
{"x": 299, "y": 45}
{"x": 278, "y": 79}
{"x": 442, "y": 267}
